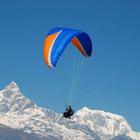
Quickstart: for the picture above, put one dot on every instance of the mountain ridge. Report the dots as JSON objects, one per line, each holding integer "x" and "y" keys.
{"x": 19, "y": 112}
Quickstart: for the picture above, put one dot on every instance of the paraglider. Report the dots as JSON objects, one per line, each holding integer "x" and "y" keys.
{"x": 56, "y": 42}
{"x": 69, "y": 112}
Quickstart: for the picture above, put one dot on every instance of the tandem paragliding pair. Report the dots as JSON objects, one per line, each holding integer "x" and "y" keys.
{"x": 56, "y": 42}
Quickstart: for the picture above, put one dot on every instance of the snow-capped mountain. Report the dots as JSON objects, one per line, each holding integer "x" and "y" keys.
{"x": 22, "y": 119}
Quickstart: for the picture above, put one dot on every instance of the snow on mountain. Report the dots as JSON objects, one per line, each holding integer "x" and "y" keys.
{"x": 7, "y": 133}
{"x": 20, "y": 117}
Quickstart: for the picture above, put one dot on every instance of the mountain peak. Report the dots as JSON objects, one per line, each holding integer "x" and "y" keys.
{"x": 12, "y": 84}
{"x": 11, "y": 89}
{"x": 104, "y": 122}
{"x": 11, "y": 99}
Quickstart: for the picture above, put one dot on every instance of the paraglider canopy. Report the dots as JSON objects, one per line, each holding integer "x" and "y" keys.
{"x": 57, "y": 40}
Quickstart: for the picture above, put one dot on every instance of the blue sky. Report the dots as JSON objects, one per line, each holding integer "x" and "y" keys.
{"x": 108, "y": 81}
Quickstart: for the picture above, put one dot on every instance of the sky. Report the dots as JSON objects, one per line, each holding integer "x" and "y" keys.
{"x": 108, "y": 80}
